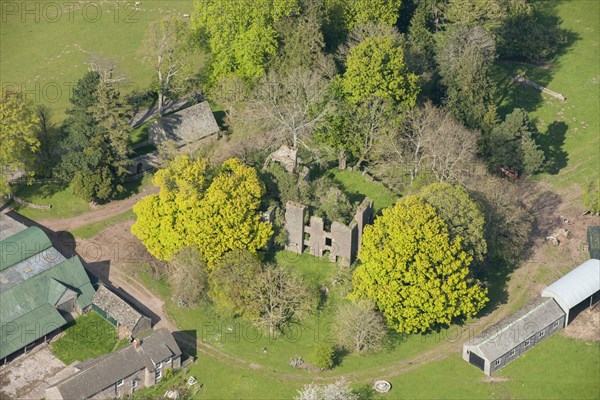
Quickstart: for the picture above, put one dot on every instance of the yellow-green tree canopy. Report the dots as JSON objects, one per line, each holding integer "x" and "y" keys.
{"x": 161, "y": 217}
{"x": 376, "y": 68}
{"x": 228, "y": 217}
{"x": 362, "y": 12}
{"x": 191, "y": 210}
{"x": 462, "y": 215}
{"x": 241, "y": 33}
{"x": 415, "y": 274}
{"x": 17, "y": 135}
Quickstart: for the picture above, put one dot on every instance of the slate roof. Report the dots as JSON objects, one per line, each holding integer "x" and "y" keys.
{"x": 116, "y": 308}
{"x": 516, "y": 328}
{"x": 186, "y": 126}
{"x": 97, "y": 375}
{"x": 31, "y": 286}
{"x": 576, "y": 286}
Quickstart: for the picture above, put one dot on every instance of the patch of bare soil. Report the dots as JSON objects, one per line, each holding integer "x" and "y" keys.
{"x": 491, "y": 379}
{"x": 586, "y": 326}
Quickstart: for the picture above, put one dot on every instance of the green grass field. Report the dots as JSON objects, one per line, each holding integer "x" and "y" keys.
{"x": 64, "y": 203}
{"x": 47, "y": 46}
{"x": 570, "y": 130}
{"x": 88, "y": 336}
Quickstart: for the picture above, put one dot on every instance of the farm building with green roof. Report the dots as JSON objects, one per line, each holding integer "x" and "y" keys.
{"x": 38, "y": 288}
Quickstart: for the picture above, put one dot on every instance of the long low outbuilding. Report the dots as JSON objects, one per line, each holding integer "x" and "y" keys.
{"x": 559, "y": 303}
{"x": 508, "y": 339}
{"x": 577, "y": 290}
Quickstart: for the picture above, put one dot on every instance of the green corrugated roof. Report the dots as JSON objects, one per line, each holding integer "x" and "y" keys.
{"x": 19, "y": 302}
{"x": 22, "y": 245}
{"x": 28, "y": 328}
{"x": 55, "y": 291}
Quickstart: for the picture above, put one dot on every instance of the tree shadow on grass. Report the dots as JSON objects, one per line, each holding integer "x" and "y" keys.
{"x": 552, "y": 143}
{"x": 513, "y": 96}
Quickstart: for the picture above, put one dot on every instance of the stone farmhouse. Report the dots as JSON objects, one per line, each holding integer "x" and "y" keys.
{"x": 39, "y": 287}
{"x": 559, "y": 304}
{"x": 187, "y": 128}
{"x": 141, "y": 364}
{"x": 127, "y": 320}
{"x": 342, "y": 241}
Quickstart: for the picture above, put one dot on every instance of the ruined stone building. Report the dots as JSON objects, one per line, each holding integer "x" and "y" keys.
{"x": 341, "y": 241}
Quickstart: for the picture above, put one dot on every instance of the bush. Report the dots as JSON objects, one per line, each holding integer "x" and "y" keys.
{"x": 591, "y": 197}
{"x": 322, "y": 356}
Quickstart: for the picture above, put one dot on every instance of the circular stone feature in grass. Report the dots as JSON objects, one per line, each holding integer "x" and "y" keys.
{"x": 382, "y": 386}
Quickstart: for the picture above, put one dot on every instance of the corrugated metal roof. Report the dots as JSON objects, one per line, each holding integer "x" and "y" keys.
{"x": 22, "y": 246}
{"x": 516, "y": 328}
{"x": 28, "y": 328}
{"x": 576, "y": 286}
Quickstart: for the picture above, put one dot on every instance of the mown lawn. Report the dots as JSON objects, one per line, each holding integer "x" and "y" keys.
{"x": 570, "y": 130}
{"x": 60, "y": 196}
{"x": 64, "y": 203}
{"x": 90, "y": 335}
{"x": 45, "y": 52}
{"x": 559, "y": 368}
{"x": 356, "y": 186}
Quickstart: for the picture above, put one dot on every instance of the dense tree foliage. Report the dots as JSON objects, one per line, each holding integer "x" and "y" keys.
{"x": 339, "y": 390}
{"x": 375, "y": 68}
{"x": 322, "y": 356}
{"x": 96, "y": 146}
{"x": 17, "y": 135}
{"x": 511, "y": 145}
{"x": 217, "y": 215}
{"x": 465, "y": 56}
{"x": 416, "y": 275}
{"x": 241, "y": 35}
{"x": 461, "y": 214}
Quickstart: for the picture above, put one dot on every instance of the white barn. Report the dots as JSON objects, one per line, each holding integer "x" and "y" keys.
{"x": 577, "y": 290}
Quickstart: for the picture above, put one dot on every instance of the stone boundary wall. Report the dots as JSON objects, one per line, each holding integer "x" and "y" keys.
{"x": 342, "y": 241}
{"x": 32, "y": 205}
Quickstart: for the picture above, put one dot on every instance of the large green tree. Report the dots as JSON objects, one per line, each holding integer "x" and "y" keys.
{"x": 17, "y": 135}
{"x": 512, "y": 145}
{"x": 240, "y": 34}
{"x": 465, "y": 56}
{"x": 160, "y": 217}
{"x": 227, "y": 217}
{"x": 461, "y": 214}
{"x": 375, "y": 67}
{"x": 416, "y": 275}
{"x": 216, "y": 215}
{"x": 96, "y": 145}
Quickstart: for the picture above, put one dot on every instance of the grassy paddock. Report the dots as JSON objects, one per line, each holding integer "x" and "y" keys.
{"x": 44, "y": 52}
{"x": 569, "y": 130}
{"x": 64, "y": 203}
{"x": 88, "y": 336}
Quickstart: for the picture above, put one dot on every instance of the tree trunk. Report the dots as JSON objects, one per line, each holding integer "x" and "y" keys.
{"x": 342, "y": 160}
{"x": 161, "y": 104}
